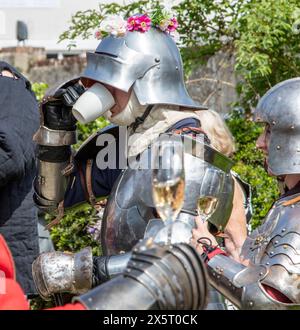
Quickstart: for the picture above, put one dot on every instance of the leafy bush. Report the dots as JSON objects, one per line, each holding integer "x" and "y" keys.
{"x": 249, "y": 164}
{"x": 39, "y": 89}
{"x": 72, "y": 233}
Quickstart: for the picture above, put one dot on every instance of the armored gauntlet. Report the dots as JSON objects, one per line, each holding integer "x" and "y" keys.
{"x": 75, "y": 273}
{"x": 55, "y": 136}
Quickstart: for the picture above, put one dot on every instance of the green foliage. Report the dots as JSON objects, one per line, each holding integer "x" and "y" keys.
{"x": 84, "y": 23}
{"x": 267, "y": 48}
{"x": 39, "y": 89}
{"x": 71, "y": 234}
{"x": 85, "y": 130}
{"x": 249, "y": 165}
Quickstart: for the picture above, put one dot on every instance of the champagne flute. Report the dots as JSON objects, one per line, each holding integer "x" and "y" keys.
{"x": 168, "y": 180}
{"x": 209, "y": 192}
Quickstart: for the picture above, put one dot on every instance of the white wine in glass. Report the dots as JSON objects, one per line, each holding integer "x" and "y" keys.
{"x": 168, "y": 180}
{"x": 211, "y": 185}
{"x": 168, "y": 197}
{"x": 207, "y": 206}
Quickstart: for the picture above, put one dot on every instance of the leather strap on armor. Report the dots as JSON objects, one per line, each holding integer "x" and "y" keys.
{"x": 140, "y": 120}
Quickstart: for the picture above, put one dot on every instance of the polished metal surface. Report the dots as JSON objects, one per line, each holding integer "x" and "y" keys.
{"x": 280, "y": 108}
{"x": 149, "y": 62}
{"x": 55, "y": 138}
{"x": 117, "y": 264}
{"x": 50, "y": 184}
{"x": 58, "y": 272}
{"x": 273, "y": 251}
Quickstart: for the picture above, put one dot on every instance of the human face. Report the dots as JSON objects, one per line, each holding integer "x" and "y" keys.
{"x": 121, "y": 98}
{"x": 262, "y": 144}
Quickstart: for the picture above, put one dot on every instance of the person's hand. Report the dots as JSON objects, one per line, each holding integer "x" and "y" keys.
{"x": 57, "y": 109}
{"x": 201, "y": 232}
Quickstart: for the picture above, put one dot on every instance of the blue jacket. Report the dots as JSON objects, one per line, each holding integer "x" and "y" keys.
{"x": 19, "y": 120}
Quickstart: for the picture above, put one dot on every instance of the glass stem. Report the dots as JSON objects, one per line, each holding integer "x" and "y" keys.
{"x": 169, "y": 238}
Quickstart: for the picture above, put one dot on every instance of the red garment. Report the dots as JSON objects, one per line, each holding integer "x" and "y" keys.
{"x": 12, "y": 296}
{"x": 215, "y": 252}
{"x": 273, "y": 293}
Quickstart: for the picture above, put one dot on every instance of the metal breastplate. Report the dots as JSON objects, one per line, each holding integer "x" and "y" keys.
{"x": 130, "y": 205}
{"x": 276, "y": 245}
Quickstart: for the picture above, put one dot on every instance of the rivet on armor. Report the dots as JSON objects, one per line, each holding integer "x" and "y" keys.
{"x": 292, "y": 127}
{"x": 157, "y": 59}
{"x": 222, "y": 270}
{"x": 272, "y": 252}
{"x": 276, "y": 242}
{"x": 261, "y": 274}
{"x": 267, "y": 263}
{"x": 158, "y": 67}
{"x": 176, "y": 68}
{"x": 273, "y": 122}
{"x": 278, "y": 147}
{"x": 283, "y": 230}
{"x": 251, "y": 303}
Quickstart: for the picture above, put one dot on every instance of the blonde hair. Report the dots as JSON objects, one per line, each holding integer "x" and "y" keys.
{"x": 217, "y": 131}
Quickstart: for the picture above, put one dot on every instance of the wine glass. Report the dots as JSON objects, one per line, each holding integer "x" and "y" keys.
{"x": 167, "y": 160}
{"x": 210, "y": 187}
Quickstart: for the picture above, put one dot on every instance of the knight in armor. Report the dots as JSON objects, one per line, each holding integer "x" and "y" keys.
{"x": 134, "y": 80}
{"x": 266, "y": 276}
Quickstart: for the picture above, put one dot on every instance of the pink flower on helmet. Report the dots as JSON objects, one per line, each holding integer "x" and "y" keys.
{"x": 145, "y": 23}
{"x": 173, "y": 24}
{"x": 140, "y": 23}
{"x": 133, "y": 23}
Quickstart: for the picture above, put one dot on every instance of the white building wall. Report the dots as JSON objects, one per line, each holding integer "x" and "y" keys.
{"x": 46, "y": 20}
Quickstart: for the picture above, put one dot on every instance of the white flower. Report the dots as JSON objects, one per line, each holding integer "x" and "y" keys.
{"x": 114, "y": 24}
{"x": 164, "y": 24}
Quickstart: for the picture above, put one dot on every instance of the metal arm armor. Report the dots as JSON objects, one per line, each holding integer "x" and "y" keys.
{"x": 273, "y": 252}
{"x": 55, "y": 136}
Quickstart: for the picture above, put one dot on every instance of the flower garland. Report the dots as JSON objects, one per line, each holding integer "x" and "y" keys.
{"x": 117, "y": 26}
